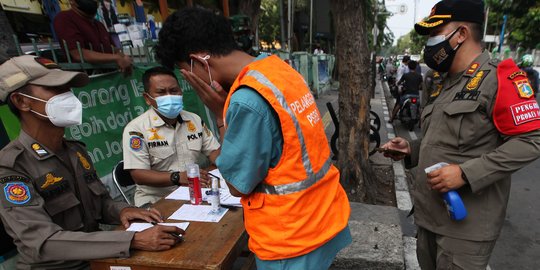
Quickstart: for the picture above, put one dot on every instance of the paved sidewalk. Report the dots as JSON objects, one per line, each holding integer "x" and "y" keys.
{"x": 403, "y": 197}
{"x": 379, "y": 242}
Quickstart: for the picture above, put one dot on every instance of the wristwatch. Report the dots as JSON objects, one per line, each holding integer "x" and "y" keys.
{"x": 175, "y": 178}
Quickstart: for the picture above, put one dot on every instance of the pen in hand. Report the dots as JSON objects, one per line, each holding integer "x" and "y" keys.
{"x": 179, "y": 237}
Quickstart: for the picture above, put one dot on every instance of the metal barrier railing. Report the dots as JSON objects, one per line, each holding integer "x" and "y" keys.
{"x": 60, "y": 54}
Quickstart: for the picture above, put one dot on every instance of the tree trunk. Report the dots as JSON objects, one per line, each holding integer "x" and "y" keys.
{"x": 353, "y": 59}
{"x": 252, "y": 9}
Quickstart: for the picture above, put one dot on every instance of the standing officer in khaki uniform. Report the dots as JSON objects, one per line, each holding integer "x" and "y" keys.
{"x": 484, "y": 122}
{"x": 51, "y": 199}
{"x": 159, "y": 143}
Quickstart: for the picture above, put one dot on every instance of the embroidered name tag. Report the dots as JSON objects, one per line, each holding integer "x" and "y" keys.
{"x": 525, "y": 112}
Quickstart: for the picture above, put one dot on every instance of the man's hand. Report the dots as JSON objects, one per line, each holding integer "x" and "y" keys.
{"x": 398, "y": 144}
{"x": 213, "y": 97}
{"x": 130, "y": 213}
{"x": 204, "y": 179}
{"x": 156, "y": 238}
{"x": 125, "y": 64}
{"x": 446, "y": 178}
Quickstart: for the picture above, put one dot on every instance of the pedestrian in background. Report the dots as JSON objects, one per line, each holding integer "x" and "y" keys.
{"x": 79, "y": 25}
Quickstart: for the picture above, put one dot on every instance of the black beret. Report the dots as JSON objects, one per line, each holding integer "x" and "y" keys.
{"x": 452, "y": 10}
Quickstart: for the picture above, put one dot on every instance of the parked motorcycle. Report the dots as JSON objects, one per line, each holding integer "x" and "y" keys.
{"x": 409, "y": 112}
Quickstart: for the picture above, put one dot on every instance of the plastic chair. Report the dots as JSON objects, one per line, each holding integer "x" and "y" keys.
{"x": 122, "y": 178}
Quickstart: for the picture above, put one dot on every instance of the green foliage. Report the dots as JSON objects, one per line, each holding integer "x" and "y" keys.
{"x": 523, "y": 24}
{"x": 269, "y": 25}
{"x": 412, "y": 43}
{"x": 383, "y": 39}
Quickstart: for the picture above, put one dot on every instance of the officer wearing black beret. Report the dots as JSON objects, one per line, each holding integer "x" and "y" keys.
{"x": 484, "y": 122}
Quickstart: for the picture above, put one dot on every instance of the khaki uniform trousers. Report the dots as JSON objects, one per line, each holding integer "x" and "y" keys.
{"x": 439, "y": 252}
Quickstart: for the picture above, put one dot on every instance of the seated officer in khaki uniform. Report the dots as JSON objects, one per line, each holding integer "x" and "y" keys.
{"x": 484, "y": 122}
{"x": 159, "y": 143}
{"x": 51, "y": 199}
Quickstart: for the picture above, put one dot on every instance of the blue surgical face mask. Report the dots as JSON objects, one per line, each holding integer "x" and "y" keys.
{"x": 169, "y": 106}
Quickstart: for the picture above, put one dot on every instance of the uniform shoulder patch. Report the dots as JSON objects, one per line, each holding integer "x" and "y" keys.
{"x": 17, "y": 191}
{"x": 515, "y": 111}
{"x": 524, "y": 88}
{"x": 136, "y": 133}
{"x": 135, "y": 143}
{"x": 517, "y": 73}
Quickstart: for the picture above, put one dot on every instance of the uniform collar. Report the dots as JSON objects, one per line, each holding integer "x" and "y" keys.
{"x": 476, "y": 64}
{"x": 38, "y": 150}
{"x": 157, "y": 121}
{"x": 456, "y": 78}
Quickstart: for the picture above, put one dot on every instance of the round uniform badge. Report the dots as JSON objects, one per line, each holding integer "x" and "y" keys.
{"x": 17, "y": 193}
{"x": 135, "y": 143}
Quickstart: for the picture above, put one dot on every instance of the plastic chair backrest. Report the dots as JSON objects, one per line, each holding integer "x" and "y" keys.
{"x": 122, "y": 176}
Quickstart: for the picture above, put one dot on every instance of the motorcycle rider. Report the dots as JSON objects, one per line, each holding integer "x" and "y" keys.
{"x": 412, "y": 83}
{"x": 526, "y": 65}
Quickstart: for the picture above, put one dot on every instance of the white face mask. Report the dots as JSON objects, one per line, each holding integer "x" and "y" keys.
{"x": 63, "y": 110}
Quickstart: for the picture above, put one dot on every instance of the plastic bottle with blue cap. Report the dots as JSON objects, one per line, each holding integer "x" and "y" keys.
{"x": 454, "y": 205}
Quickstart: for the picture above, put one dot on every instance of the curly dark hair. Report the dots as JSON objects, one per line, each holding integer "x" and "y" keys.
{"x": 193, "y": 30}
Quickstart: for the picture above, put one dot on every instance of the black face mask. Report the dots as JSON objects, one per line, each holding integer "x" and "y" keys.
{"x": 440, "y": 56}
{"x": 87, "y": 6}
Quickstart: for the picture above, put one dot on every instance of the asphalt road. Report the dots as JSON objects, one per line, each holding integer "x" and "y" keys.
{"x": 518, "y": 246}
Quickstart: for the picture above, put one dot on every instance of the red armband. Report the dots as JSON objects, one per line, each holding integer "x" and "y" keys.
{"x": 516, "y": 110}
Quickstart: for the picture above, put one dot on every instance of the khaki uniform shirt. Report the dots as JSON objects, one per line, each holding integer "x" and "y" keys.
{"x": 52, "y": 206}
{"x": 432, "y": 84}
{"x": 151, "y": 144}
{"x": 458, "y": 128}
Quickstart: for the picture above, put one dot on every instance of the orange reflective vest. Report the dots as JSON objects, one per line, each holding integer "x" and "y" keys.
{"x": 300, "y": 205}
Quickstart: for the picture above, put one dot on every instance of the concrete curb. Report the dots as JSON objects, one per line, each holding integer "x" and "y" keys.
{"x": 403, "y": 197}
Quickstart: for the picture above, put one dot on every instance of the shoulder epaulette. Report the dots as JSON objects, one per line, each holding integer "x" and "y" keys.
{"x": 494, "y": 62}
{"x": 77, "y": 142}
{"x": 9, "y": 155}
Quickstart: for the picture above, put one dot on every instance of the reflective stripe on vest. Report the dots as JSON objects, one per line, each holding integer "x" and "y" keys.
{"x": 312, "y": 177}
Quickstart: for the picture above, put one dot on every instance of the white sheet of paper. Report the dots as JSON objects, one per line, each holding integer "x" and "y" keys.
{"x": 201, "y": 213}
{"x": 226, "y": 198}
{"x": 120, "y": 268}
{"x": 139, "y": 226}
{"x": 181, "y": 193}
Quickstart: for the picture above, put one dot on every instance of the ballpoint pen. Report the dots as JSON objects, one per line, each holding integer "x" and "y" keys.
{"x": 177, "y": 236}
{"x": 213, "y": 175}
